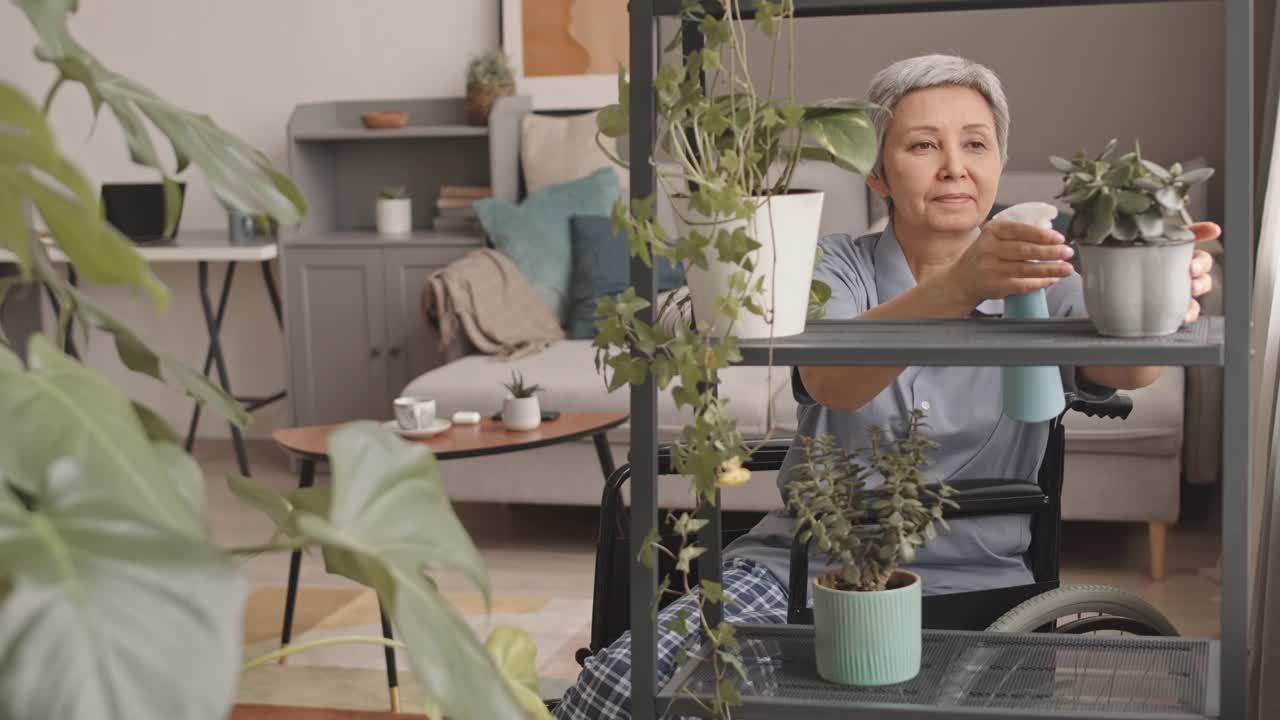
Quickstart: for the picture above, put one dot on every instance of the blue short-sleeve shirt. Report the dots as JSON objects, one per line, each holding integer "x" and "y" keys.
{"x": 963, "y": 407}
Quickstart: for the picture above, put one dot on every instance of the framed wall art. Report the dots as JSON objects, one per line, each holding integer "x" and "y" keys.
{"x": 566, "y": 53}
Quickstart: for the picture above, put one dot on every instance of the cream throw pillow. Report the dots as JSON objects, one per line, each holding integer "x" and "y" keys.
{"x": 559, "y": 149}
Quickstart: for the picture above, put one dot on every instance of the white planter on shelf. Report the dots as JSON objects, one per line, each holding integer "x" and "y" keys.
{"x": 1137, "y": 290}
{"x": 521, "y": 414}
{"x": 395, "y": 216}
{"x": 786, "y": 226}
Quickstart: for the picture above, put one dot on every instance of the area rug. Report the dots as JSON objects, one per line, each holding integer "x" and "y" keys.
{"x": 353, "y": 676}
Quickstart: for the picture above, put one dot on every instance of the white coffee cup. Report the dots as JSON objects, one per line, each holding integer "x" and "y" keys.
{"x": 414, "y": 413}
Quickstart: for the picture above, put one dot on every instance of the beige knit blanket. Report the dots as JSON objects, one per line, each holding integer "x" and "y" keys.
{"x": 491, "y": 302}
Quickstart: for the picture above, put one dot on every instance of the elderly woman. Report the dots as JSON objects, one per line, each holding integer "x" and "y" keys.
{"x": 942, "y": 148}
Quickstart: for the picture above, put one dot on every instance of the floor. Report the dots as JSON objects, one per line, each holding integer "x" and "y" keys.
{"x": 549, "y": 552}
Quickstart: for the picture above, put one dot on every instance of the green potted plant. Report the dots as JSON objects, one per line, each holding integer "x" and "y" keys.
{"x": 109, "y": 571}
{"x": 745, "y": 237}
{"x": 748, "y": 259}
{"x": 520, "y": 410}
{"x": 394, "y": 212}
{"x": 1129, "y": 224}
{"x": 866, "y": 614}
{"x": 489, "y": 76}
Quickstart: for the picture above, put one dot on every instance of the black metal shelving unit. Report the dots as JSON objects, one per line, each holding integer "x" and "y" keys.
{"x": 1093, "y": 678}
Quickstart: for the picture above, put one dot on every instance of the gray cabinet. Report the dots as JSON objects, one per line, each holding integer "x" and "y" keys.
{"x": 356, "y": 331}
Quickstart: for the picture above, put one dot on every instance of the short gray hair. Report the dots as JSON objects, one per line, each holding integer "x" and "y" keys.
{"x": 893, "y": 83}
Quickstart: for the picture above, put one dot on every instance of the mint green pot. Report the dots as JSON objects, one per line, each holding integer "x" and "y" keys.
{"x": 868, "y": 638}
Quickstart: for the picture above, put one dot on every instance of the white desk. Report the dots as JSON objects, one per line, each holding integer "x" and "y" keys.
{"x": 187, "y": 247}
{"x": 200, "y": 247}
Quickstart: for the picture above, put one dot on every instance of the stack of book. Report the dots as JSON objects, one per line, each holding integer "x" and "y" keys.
{"x": 453, "y": 208}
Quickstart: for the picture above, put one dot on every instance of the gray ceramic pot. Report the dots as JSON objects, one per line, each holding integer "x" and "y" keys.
{"x": 1137, "y": 290}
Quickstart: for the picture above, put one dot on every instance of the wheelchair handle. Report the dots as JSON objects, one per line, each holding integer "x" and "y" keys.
{"x": 1117, "y": 406}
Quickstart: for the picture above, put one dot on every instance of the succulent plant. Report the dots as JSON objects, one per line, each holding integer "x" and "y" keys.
{"x": 1126, "y": 200}
{"x": 518, "y": 389}
{"x": 868, "y": 530}
{"x": 492, "y": 67}
{"x": 392, "y": 192}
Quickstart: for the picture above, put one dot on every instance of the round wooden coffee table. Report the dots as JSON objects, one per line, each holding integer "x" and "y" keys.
{"x": 488, "y": 437}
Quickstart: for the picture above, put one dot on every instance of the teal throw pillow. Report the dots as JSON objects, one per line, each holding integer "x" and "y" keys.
{"x": 602, "y": 267}
{"x": 535, "y": 234}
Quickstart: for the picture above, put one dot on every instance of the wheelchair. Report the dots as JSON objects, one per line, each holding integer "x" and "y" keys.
{"x": 1042, "y": 605}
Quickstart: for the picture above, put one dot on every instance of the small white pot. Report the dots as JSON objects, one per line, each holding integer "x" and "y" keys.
{"x": 395, "y": 216}
{"x": 786, "y": 226}
{"x": 1137, "y": 290}
{"x": 521, "y": 413}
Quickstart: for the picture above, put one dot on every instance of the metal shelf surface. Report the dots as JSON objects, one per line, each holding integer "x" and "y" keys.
{"x": 972, "y": 675}
{"x": 985, "y": 342}
{"x": 828, "y": 8}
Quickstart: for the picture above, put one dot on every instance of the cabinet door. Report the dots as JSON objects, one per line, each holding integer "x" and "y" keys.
{"x": 337, "y": 334}
{"x": 412, "y": 348}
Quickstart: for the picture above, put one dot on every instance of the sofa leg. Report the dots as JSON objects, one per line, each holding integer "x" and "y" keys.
{"x": 1158, "y": 536}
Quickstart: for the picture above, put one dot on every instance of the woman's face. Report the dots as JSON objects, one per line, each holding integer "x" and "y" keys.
{"x": 941, "y": 160}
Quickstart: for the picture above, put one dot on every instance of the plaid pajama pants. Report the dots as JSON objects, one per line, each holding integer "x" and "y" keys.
{"x": 603, "y": 689}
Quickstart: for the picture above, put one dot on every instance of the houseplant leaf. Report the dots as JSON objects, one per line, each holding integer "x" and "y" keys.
{"x": 239, "y": 175}
{"x": 847, "y": 135}
{"x": 515, "y": 654}
{"x": 110, "y": 617}
{"x": 140, "y": 357}
{"x": 31, "y": 168}
{"x": 70, "y": 411}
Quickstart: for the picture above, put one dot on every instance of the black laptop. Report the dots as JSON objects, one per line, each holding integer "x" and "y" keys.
{"x": 137, "y": 209}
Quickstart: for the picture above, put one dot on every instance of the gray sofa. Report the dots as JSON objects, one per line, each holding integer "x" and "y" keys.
{"x": 1128, "y": 471}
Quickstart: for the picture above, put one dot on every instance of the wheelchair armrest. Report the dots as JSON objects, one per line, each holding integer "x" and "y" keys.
{"x": 1117, "y": 406}
{"x": 764, "y": 456}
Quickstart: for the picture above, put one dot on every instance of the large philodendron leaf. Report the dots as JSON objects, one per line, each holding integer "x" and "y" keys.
{"x": 388, "y": 498}
{"x": 238, "y": 174}
{"x": 387, "y": 520}
{"x": 32, "y": 169}
{"x": 109, "y": 617}
{"x": 847, "y": 135}
{"x": 140, "y": 357}
{"x": 67, "y": 410}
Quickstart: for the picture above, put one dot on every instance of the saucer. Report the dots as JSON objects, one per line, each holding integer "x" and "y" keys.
{"x": 438, "y": 426}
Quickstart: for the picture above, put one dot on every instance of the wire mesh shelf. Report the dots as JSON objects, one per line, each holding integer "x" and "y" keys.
{"x": 977, "y": 674}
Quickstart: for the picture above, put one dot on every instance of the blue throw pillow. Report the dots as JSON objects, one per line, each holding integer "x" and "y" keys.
{"x": 602, "y": 266}
{"x": 535, "y": 233}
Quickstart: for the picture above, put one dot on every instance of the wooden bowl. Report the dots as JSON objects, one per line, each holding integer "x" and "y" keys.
{"x": 384, "y": 119}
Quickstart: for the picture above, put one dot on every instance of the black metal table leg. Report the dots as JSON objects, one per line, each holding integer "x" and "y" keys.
{"x": 270, "y": 282}
{"x": 605, "y": 454}
{"x": 393, "y": 683}
{"x": 223, "y": 296}
{"x": 219, "y": 363}
{"x": 305, "y": 478}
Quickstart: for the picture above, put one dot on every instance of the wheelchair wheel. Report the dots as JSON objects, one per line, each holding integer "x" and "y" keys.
{"x": 1082, "y": 609}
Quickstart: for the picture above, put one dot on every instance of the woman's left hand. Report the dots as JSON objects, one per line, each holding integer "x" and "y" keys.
{"x": 1201, "y": 264}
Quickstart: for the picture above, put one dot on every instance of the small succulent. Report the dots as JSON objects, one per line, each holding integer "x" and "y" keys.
{"x": 1126, "y": 200}
{"x": 392, "y": 192}
{"x": 867, "y": 531}
{"x": 517, "y": 387}
{"x": 491, "y": 67}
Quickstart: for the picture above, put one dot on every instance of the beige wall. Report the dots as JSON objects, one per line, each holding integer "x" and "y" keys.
{"x": 247, "y": 63}
{"x": 1074, "y": 76}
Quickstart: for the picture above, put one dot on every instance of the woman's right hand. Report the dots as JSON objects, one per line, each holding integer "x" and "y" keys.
{"x": 995, "y": 265}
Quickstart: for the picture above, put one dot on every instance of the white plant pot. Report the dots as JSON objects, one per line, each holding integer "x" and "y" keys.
{"x": 1137, "y": 290}
{"x": 786, "y": 226}
{"x": 395, "y": 216}
{"x": 521, "y": 413}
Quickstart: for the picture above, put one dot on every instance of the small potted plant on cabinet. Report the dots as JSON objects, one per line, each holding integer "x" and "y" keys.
{"x": 520, "y": 410}
{"x": 489, "y": 76}
{"x": 866, "y": 614}
{"x": 1130, "y": 226}
{"x": 395, "y": 212}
